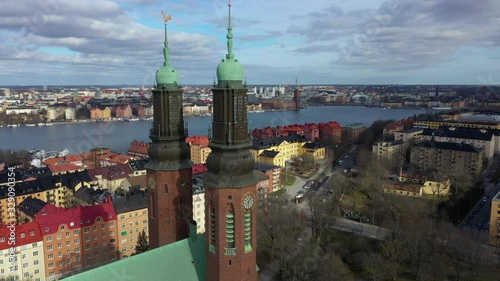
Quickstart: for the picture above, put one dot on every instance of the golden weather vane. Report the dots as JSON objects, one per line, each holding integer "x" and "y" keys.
{"x": 166, "y": 18}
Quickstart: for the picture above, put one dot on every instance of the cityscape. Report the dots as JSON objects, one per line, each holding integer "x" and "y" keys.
{"x": 336, "y": 141}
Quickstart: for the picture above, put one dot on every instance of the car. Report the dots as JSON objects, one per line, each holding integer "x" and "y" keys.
{"x": 466, "y": 222}
{"x": 485, "y": 199}
{"x": 300, "y": 194}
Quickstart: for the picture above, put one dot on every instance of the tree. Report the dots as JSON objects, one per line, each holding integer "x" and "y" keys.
{"x": 394, "y": 250}
{"x": 142, "y": 243}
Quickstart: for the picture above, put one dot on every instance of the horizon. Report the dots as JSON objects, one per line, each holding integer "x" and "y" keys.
{"x": 378, "y": 42}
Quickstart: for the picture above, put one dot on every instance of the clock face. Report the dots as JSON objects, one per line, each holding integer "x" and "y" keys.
{"x": 151, "y": 183}
{"x": 248, "y": 201}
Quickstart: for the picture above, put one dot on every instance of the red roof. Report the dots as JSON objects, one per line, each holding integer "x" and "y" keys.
{"x": 68, "y": 167}
{"x": 73, "y": 218}
{"x": 65, "y": 159}
{"x": 198, "y": 140}
{"x": 139, "y": 147}
{"x": 113, "y": 157}
{"x": 199, "y": 168}
{"x": 25, "y": 234}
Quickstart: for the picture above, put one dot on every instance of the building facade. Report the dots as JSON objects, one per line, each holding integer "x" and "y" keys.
{"x": 495, "y": 221}
{"x": 446, "y": 158}
{"x": 25, "y": 260}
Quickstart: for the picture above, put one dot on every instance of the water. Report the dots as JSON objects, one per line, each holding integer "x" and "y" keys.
{"x": 118, "y": 135}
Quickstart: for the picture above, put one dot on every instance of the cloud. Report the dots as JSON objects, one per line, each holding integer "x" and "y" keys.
{"x": 402, "y": 33}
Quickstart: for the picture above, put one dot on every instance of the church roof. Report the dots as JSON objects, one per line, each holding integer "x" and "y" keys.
{"x": 182, "y": 260}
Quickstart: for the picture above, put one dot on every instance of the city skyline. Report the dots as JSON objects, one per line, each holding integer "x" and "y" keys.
{"x": 60, "y": 42}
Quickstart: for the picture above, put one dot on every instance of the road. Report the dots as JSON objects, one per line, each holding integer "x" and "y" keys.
{"x": 478, "y": 218}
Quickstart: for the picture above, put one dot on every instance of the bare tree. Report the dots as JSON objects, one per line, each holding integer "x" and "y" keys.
{"x": 394, "y": 250}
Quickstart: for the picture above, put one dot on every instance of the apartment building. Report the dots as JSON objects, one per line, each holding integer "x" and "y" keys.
{"x": 446, "y": 157}
{"x": 408, "y": 134}
{"x": 77, "y": 238}
{"x": 495, "y": 221}
{"x": 480, "y": 138}
{"x": 199, "y": 148}
{"x": 434, "y": 124}
{"x": 132, "y": 219}
{"x": 25, "y": 260}
{"x": 277, "y": 151}
{"x": 199, "y": 203}
{"x": 274, "y": 174}
{"x": 391, "y": 151}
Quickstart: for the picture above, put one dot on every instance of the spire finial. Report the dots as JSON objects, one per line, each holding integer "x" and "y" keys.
{"x": 229, "y": 35}
{"x": 166, "y": 50}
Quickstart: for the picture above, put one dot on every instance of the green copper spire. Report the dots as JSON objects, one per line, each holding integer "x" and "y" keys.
{"x": 166, "y": 74}
{"x": 229, "y": 69}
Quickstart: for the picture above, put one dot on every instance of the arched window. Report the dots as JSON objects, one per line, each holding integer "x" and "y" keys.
{"x": 230, "y": 229}
{"x": 212, "y": 227}
{"x": 248, "y": 231}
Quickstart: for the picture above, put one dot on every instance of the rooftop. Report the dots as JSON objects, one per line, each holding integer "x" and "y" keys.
{"x": 181, "y": 260}
{"x": 449, "y": 146}
{"x": 136, "y": 200}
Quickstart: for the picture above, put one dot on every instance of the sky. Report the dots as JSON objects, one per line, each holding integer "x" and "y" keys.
{"x": 114, "y": 42}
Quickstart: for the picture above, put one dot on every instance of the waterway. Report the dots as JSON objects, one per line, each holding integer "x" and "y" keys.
{"x": 118, "y": 135}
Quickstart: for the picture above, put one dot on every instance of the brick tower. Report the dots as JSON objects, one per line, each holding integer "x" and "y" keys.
{"x": 296, "y": 95}
{"x": 230, "y": 186}
{"x": 169, "y": 175}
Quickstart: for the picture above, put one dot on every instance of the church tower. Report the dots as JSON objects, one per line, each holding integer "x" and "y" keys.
{"x": 230, "y": 186}
{"x": 169, "y": 174}
{"x": 296, "y": 95}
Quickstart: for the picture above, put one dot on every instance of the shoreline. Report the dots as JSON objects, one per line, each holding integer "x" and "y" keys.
{"x": 263, "y": 111}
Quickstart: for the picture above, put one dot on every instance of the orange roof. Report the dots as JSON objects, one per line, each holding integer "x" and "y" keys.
{"x": 67, "y": 167}
{"x": 198, "y": 140}
{"x": 115, "y": 158}
{"x": 64, "y": 159}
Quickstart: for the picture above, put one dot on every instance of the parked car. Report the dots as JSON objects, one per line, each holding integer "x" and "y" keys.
{"x": 300, "y": 194}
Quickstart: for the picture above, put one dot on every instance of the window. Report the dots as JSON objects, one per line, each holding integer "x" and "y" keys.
{"x": 104, "y": 234}
{"x": 35, "y": 253}
{"x": 58, "y": 236}
{"x": 59, "y": 245}
{"x": 76, "y": 232}
{"x": 76, "y": 241}
{"x": 46, "y": 229}
{"x": 77, "y": 250}
{"x": 103, "y": 226}
{"x": 87, "y": 247}
{"x": 68, "y": 243}
{"x": 87, "y": 239}
{"x": 95, "y": 228}
{"x": 111, "y": 224}
{"x": 86, "y": 230}
{"x": 62, "y": 227}
{"x": 124, "y": 249}
{"x": 25, "y": 265}
{"x": 35, "y": 262}
{"x": 49, "y": 238}
{"x": 122, "y": 225}
{"x": 32, "y": 233}
{"x": 59, "y": 254}
{"x": 111, "y": 233}
{"x": 49, "y": 248}
{"x": 2, "y": 239}
{"x": 67, "y": 234}
{"x": 51, "y": 256}
{"x": 98, "y": 219}
{"x": 23, "y": 235}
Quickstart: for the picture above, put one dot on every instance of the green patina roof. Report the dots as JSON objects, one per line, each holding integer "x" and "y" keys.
{"x": 166, "y": 74}
{"x": 183, "y": 260}
{"x": 230, "y": 69}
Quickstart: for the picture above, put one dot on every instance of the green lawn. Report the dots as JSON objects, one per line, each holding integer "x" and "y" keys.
{"x": 287, "y": 179}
